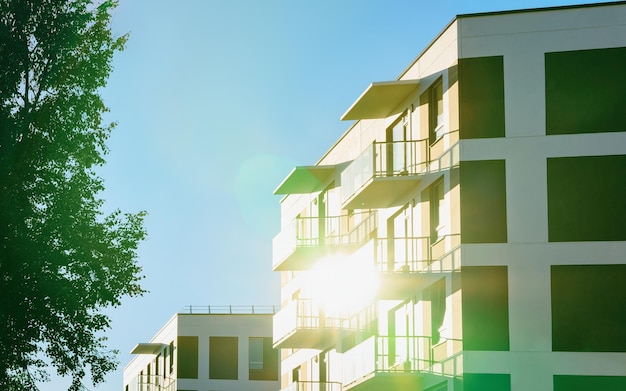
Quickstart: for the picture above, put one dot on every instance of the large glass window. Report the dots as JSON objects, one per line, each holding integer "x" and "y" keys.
{"x": 481, "y": 97}
{"x": 483, "y": 201}
{"x": 262, "y": 359}
{"x": 588, "y": 308}
{"x": 187, "y": 362}
{"x": 586, "y": 198}
{"x": 485, "y": 300}
{"x": 595, "y": 105}
{"x": 223, "y": 358}
{"x": 486, "y": 382}
{"x": 586, "y": 383}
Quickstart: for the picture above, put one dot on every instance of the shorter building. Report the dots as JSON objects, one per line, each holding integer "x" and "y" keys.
{"x": 208, "y": 348}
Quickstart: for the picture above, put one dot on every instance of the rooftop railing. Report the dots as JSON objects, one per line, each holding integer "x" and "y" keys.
{"x": 230, "y": 309}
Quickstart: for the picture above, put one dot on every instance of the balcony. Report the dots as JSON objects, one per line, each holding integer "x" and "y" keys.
{"x": 307, "y": 239}
{"x": 387, "y": 363}
{"x": 312, "y": 386}
{"x": 405, "y": 266}
{"x": 303, "y": 324}
{"x": 383, "y": 175}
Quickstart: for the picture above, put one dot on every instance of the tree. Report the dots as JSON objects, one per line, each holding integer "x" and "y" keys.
{"x": 62, "y": 260}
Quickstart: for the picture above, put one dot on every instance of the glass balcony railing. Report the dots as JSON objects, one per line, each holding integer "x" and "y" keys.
{"x": 303, "y": 323}
{"x": 383, "y": 362}
{"x": 397, "y": 159}
{"x": 307, "y": 239}
{"x": 386, "y": 355}
{"x": 406, "y": 265}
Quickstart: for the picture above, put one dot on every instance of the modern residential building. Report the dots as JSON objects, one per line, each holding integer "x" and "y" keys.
{"x": 208, "y": 348}
{"x": 468, "y": 231}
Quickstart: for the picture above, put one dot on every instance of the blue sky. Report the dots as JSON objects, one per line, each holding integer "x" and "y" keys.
{"x": 216, "y": 101}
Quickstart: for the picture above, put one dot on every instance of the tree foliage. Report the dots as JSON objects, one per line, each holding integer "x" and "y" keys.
{"x": 61, "y": 259}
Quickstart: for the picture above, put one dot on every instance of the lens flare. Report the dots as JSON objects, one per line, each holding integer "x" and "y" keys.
{"x": 344, "y": 285}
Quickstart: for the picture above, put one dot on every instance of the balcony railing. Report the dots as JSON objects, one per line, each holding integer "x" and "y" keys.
{"x": 304, "y": 324}
{"x": 307, "y": 239}
{"x": 152, "y": 383}
{"x": 379, "y": 361}
{"x": 402, "y": 160}
{"x": 409, "y": 254}
{"x": 229, "y": 309}
{"x": 313, "y": 386}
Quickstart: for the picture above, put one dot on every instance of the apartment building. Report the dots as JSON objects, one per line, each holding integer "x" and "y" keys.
{"x": 468, "y": 231}
{"x": 205, "y": 348}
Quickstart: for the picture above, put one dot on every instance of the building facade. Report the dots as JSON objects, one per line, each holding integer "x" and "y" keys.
{"x": 468, "y": 231}
{"x": 206, "y": 349}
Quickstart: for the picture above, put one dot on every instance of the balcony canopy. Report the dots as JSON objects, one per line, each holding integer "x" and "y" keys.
{"x": 305, "y": 179}
{"x": 148, "y": 348}
{"x": 381, "y": 99}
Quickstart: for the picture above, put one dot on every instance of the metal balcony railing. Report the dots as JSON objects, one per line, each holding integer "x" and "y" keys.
{"x": 410, "y": 254}
{"x": 416, "y": 254}
{"x": 349, "y": 229}
{"x": 229, "y": 309}
{"x": 152, "y": 383}
{"x": 399, "y": 354}
{"x": 307, "y": 316}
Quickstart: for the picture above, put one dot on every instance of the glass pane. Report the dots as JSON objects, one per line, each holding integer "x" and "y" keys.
{"x": 256, "y": 353}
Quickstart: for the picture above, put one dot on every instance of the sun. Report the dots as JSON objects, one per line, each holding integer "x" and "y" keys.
{"x": 343, "y": 285}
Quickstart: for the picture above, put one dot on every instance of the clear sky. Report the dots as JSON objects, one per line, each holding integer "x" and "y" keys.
{"x": 216, "y": 101}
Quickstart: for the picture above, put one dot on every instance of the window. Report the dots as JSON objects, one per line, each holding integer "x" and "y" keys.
{"x": 187, "y": 362}
{"x": 437, "y": 295}
{"x": 593, "y": 106}
{"x": 481, "y": 97}
{"x": 438, "y": 215}
{"x": 585, "y": 383}
{"x": 396, "y": 149}
{"x": 435, "y": 110}
{"x": 223, "y": 359}
{"x": 171, "y": 354}
{"x": 486, "y": 381}
{"x": 485, "y": 308}
{"x": 588, "y": 308}
{"x": 483, "y": 201}
{"x": 262, "y": 359}
{"x": 586, "y": 198}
